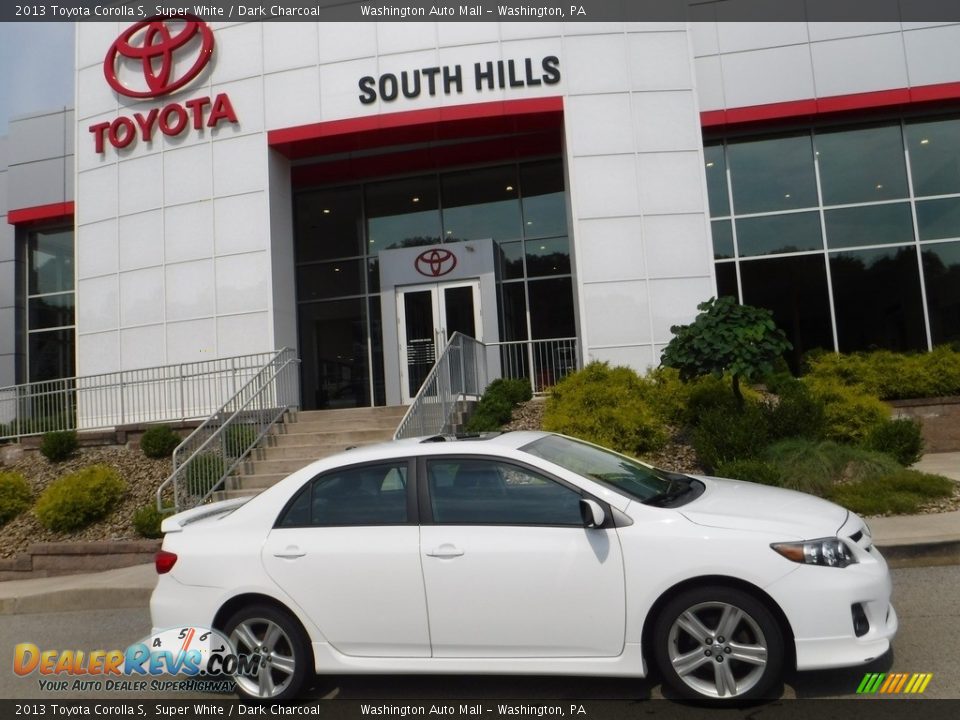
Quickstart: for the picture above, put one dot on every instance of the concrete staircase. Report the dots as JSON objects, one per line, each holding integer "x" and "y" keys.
{"x": 307, "y": 436}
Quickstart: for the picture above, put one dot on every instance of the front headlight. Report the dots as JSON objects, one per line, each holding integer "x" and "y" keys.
{"x": 830, "y": 552}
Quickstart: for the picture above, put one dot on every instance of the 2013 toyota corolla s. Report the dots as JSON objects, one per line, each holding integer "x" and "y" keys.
{"x": 525, "y": 552}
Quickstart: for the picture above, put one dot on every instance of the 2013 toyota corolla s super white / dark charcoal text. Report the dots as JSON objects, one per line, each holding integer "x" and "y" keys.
{"x": 530, "y": 553}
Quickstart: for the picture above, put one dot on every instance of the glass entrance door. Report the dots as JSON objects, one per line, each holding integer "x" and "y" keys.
{"x": 428, "y": 316}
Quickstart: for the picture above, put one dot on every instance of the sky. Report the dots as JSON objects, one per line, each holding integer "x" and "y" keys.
{"x": 36, "y": 68}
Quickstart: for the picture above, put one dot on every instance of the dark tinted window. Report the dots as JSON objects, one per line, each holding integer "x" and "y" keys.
{"x": 487, "y": 492}
{"x": 365, "y": 495}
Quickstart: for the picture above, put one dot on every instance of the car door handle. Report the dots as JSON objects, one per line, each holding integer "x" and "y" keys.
{"x": 445, "y": 551}
{"x": 291, "y": 552}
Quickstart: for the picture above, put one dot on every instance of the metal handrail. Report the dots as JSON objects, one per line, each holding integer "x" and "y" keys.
{"x": 204, "y": 460}
{"x": 459, "y": 373}
{"x": 165, "y": 393}
{"x": 543, "y": 362}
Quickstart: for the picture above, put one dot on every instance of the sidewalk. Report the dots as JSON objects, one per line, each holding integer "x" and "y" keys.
{"x": 905, "y": 540}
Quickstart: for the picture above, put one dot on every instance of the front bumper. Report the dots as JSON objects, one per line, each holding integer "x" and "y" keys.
{"x": 818, "y": 603}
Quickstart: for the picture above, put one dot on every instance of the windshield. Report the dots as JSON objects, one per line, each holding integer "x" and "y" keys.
{"x": 624, "y": 474}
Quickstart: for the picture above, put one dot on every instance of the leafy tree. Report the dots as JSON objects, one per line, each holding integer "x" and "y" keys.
{"x": 726, "y": 337}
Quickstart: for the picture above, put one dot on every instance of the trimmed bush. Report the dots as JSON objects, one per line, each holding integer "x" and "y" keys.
{"x": 726, "y": 433}
{"x": 892, "y": 376}
{"x": 146, "y": 521}
{"x": 496, "y": 406}
{"x": 901, "y": 439}
{"x": 850, "y": 413}
{"x": 513, "y": 390}
{"x": 605, "y": 405}
{"x": 898, "y": 493}
{"x": 816, "y": 467}
{"x": 797, "y": 413}
{"x": 757, "y": 471}
{"x": 204, "y": 473}
{"x": 76, "y": 500}
{"x": 59, "y": 445}
{"x": 15, "y": 496}
{"x": 159, "y": 441}
{"x": 237, "y": 438}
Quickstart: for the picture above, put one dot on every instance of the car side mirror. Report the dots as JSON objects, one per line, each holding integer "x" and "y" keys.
{"x": 592, "y": 514}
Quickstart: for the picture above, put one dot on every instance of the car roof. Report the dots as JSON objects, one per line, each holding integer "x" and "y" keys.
{"x": 472, "y": 443}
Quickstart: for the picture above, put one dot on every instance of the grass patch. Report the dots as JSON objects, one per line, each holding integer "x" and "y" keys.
{"x": 817, "y": 467}
{"x": 901, "y": 493}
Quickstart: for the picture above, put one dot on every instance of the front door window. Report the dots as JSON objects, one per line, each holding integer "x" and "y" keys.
{"x": 429, "y": 316}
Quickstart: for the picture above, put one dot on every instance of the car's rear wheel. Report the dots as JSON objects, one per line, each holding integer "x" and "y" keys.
{"x": 718, "y": 643}
{"x": 276, "y": 637}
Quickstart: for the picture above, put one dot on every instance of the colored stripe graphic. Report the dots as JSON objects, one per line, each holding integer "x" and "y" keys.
{"x": 894, "y": 683}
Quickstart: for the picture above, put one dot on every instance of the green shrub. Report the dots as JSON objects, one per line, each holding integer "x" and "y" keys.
{"x": 757, "y": 471}
{"x": 146, "y": 521}
{"x": 237, "y": 438}
{"x": 816, "y": 467}
{"x": 726, "y": 433}
{"x": 892, "y": 376}
{"x": 797, "y": 413}
{"x": 900, "y": 439}
{"x": 496, "y": 406}
{"x": 14, "y": 496}
{"x": 159, "y": 441}
{"x": 900, "y": 492}
{"x": 204, "y": 473}
{"x": 605, "y": 405}
{"x": 513, "y": 390}
{"x": 58, "y": 445}
{"x": 76, "y": 500}
{"x": 849, "y": 412}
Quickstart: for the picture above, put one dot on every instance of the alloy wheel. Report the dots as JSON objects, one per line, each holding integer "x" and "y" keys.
{"x": 264, "y": 637}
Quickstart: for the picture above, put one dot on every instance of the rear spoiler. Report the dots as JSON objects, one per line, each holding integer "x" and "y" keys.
{"x": 176, "y": 523}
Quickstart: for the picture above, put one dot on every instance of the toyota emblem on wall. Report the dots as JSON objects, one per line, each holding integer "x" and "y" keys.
{"x": 436, "y": 262}
{"x": 158, "y": 45}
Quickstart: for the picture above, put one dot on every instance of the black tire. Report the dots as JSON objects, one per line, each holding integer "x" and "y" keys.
{"x": 289, "y": 661}
{"x": 742, "y": 666}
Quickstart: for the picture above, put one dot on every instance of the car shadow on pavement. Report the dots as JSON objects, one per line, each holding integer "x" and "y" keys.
{"x": 838, "y": 682}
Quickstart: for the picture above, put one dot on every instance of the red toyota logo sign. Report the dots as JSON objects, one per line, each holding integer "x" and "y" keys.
{"x": 156, "y": 46}
{"x": 436, "y": 262}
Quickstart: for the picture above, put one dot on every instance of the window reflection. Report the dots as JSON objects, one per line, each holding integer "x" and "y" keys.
{"x": 938, "y": 219}
{"x": 722, "y": 232}
{"x": 544, "y": 200}
{"x": 877, "y": 299}
{"x": 869, "y": 225}
{"x": 779, "y": 234}
{"x": 329, "y": 224}
{"x": 772, "y": 174}
{"x": 51, "y": 262}
{"x": 934, "y": 147}
{"x": 941, "y": 274}
{"x": 727, "y": 280}
{"x": 481, "y": 204}
{"x": 548, "y": 257}
{"x": 861, "y": 165}
{"x": 333, "y": 348}
{"x": 402, "y": 213}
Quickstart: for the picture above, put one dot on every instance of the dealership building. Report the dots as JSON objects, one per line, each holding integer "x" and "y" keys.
{"x": 563, "y": 192}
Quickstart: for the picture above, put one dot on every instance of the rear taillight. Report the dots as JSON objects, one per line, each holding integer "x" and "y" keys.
{"x": 164, "y": 561}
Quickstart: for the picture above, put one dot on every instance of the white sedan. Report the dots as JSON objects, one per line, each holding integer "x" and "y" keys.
{"x": 527, "y": 553}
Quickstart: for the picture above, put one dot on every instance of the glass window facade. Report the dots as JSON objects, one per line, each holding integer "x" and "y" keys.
{"x": 341, "y": 231}
{"x": 51, "y": 305}
{"x": 849, "y": 234}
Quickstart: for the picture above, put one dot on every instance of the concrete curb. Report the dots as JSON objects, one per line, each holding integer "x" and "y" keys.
{"x": 98, "y": 598}
{"x": 921, "y": 554}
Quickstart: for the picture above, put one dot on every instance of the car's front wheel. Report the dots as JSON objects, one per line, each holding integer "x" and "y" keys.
{"x": 284, "y": 656}
{"x": 718, "y": 643}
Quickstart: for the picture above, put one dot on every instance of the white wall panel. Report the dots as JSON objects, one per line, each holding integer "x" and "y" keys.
{"x": 242, "y": 283}
{"x": 451, "y": 34}
{"x": 677, "y": 245}
{"x": 674, "y": 302}
{"x": 140, "y": 240}
{"x": 246, "y": 96}
{"x": 93, "y": 39}
{"x": 659, "y": 61}
{"x": 405, "y": 37}
{"x": 735, "y": 37}
{"x": 238, "y": 54}
{"x": 97, "y": 195}
{"x": 190, "y": 290}
{"x": 932, "y": 55}
{"x": 339, "y": 90}
{"x": 595, "y": 63}
{"x": 292, "y": 97}
{"x": 239, "y": 165}
{"x": 703, "y": 37}
{"x": 525, "y": 30}
{"x": 767, "y": 76}
{"x": 142, "y": 347}
{"x": 879, "y": 64}
{"x": 605, "y": 186}
{"x": 240, "y": 223}
{"x": 611, "y": 249}
{"x": 599, "y": 124}
{"x": 96, "y": 96}
{"x": 242, "y": 334}
{"x": 141, "y": 184}
{"x": 288, "y": 45}
{"x": 671, "y": 182}
{"x": 98, "y": 352}
{"x": 639, "y": 357}
{"x": 140, "y": 293}
{"x": 188, "y": 231}
{"x": 97, "y": 304}
{"x": 191, "y": 341}
{"x": 96, "y": 249}
{"x": 666, "y": 121}
{"x": 709, "y": 83}
{"x": 836, "y": 30}
{"x": 618, "y": 313}
{"x": 187, "y": 174}
{"x": 337, "y": 45}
